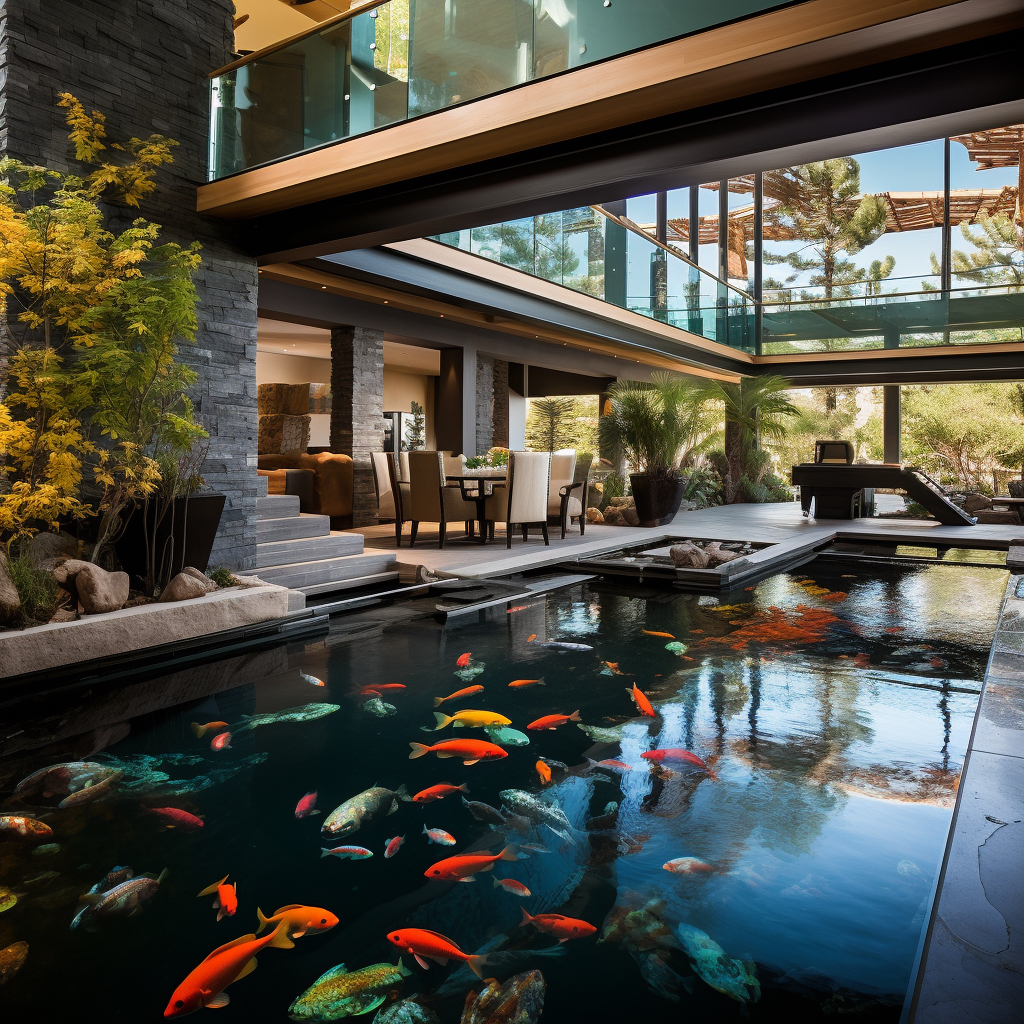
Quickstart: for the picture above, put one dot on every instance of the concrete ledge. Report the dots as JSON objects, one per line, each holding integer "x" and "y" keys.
{"x": 134, "y": 629}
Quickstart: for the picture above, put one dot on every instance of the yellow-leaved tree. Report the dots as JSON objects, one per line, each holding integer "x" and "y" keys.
{"x": 92, "y": 396}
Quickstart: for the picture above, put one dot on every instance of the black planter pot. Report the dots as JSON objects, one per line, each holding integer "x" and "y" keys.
{"x": 656, "y": 497}
{"x": 194, "y": 522}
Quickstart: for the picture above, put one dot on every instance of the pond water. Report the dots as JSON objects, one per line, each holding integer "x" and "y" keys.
{"x": 826, "y": 713}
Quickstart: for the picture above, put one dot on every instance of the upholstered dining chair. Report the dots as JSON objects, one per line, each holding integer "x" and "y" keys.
{"x": 390, "y": 490}
{"x": 572, "y": 498}
{"x": 523, "y": 501}
{"x": 430, "y": 499}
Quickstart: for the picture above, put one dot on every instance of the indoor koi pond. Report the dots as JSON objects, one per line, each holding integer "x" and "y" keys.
{"x": 623, "y": 803}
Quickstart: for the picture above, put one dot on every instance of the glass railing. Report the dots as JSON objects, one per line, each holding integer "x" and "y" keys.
{"x": 388, "y": 62}
{"x": 607, "y": 257}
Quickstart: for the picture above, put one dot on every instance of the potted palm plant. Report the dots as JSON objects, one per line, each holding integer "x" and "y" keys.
{"x": 653, "y": 426}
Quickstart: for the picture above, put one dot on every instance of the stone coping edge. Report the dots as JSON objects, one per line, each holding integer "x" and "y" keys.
{"x": 93, "y": 637}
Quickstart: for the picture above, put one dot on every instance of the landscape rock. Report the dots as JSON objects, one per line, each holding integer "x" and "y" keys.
{"x": 255, "y": 581}
{"x": 595, "y": 515}
{"x": 44, "y": 548}
{"x": 975, "y": 502}
{"x": 612, "y": 516}
{"x": 622, "y": 501}
{"x": 95, "y": 589}
{"x": 717, "y": 555}
{"x": 201, "y": 578}
{"x": 183, "y": 588}
{"x": 9, "y": 600}
{"x": 688, "y": 556}
{"x": 629, "y": 517}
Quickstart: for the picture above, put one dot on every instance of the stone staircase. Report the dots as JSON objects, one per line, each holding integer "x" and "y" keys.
{"x": 300, "y": 551}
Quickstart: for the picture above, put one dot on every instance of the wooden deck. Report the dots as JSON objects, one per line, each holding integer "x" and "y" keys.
{"x": 778, "y": 523}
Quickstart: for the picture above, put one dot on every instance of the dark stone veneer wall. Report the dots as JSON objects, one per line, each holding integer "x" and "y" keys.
{"x": 144, "y": 63}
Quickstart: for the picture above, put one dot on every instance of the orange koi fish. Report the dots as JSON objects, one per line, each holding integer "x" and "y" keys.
{"x": 202, "y": 730}
{"x": 226, "y": 902}
{"x": 222, "y": 741}
{"x": 531, "y": 638}
{"x": 518, "y": 608}
{"x": 553, "y": 721}
{"x": 643, "y": 704}
{"x": 511, "y": 885}
{"x": 224, "y": 966}
{"x": 438, "y": 792}
{"x": 563, "y": 928}
{"x": 465, "y": 865}
{"x": 426, "y": 945}
{"x": 654, "y": 632}
{"x": 677, "y": 754}
{"x": 544, "y": 772}
{"x": 527, "y": 682}
{"x": 463, "y": 660}
{"x": 25, "y": 826}
{"x": 470, "y": 751}
{"x": 466, "y": 692}
{"x": 613, "y": 667}
{"x": 298, "y": 920}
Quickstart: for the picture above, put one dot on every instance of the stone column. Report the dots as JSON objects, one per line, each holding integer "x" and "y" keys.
{"x": 484, "y": 403}
{"x": 357, "y": 409}
{"x": 144, "y": 63}
{"x": 499, "y": 412}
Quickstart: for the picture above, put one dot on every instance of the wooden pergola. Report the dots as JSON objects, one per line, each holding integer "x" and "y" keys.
{"x": 904, "y": 211}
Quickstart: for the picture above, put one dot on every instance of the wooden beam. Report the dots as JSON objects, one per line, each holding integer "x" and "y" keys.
{"x": 798, "y": 43}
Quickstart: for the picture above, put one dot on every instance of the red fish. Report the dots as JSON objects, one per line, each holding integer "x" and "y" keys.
{"x": 393, "y": 846}
{"x": 222, "y": 741}
{"x": 438, "y": 792}
{"x": 619, "y": 766}
{"x": 465, "y": 865}
{"x": 175, "y": 817}
{"x": 675, "y": 754}
{"x": 426, "y": 945}
{"x": 641, "y": 701}
{"x": 225, "y": 965}
{"x": 511, "y": 885}
{"x": 226, "y": 902}
{"x": 563, "y": 928}
{"x": 463, "y": 660}
{"x": 377, "y": 687}
{"x": 527, "y": 682}
{"x": 518, "y": 608}
{"x": 470, "y": 751}
{"x": 544, "y": 772}
{"x": 531, "y": 638}
{"x": 306, "y": 807}
{"x": 202, "y": 730}
{"x": 553, "y": 721}
{"x": 468, "y": 691}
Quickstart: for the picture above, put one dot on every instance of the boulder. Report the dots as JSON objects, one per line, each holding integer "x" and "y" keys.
{"x": 44, "y": 548}
{"x": 201, "y": 578}
{"x": 688, "y": 556}
{"x": 183, "y": 588}
{"x": 10, "y": 602}
{"x": 95, "y": 589}
{"x": 717, "y": 555}
{"x": 974, "y": 502}
{"x": 595, "y": 515}
{"x": 612, "y": 516}
{"x": 247, "y": 582}
{"x": 1016, "y": 488}
{"x": 621, "y": 501}
{"x": 629, "y": 517}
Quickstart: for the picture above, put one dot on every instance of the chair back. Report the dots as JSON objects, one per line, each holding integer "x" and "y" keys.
{"x": 563, "y": 466}
{"x": 835, "y": 452}
{"x": 454, "y": 464}
{"x": 382, "y": 484}
{"x": 529, "y": 474}
{"x": 403, "y": 467}
{"x": 426, "y": 478}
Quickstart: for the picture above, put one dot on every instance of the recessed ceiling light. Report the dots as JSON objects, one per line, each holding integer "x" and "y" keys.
{"x": 323, "y": 287}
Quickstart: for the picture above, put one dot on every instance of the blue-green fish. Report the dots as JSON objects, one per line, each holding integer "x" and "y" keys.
{"x": 339, "y": 993}
{"x": 470, "y": 671}
{"x": 304, "y": 714}
{"x": 510, "y": 737}
{"x": 736, "y": 979}
{"x": 676, "y": 647}
{"x": 375, "y": 706}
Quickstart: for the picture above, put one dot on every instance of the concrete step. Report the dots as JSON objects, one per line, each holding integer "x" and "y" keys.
{"x": 262, "y": 483}
{"x": 359, "y": 581}
{"x": 299, "y": 575}
{"x": 268, "y": 531}
{"x": 308, "y": 549}
{"x": 277, "y": 506}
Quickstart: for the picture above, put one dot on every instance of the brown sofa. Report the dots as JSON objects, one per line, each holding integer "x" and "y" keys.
{"x": 332, "y": 487}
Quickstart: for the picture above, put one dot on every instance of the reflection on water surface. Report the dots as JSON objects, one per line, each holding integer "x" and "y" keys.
{"x": 783, "y": 865}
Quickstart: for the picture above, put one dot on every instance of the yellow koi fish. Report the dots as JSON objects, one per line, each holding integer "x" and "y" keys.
{"x": 470, "y": 720}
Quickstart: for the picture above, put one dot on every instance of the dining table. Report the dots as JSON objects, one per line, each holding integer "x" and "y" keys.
{"x": 473, "y": 484}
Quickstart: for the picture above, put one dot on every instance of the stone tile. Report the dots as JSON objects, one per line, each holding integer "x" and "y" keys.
{"x": 1000, "y": 724}
{"x": 974, "y": 959}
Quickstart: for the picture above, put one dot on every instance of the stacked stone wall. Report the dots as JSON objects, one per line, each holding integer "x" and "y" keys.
{"x": 144, "y": 63}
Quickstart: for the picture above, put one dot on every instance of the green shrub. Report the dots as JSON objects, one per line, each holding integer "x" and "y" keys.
{"x": 222, "y": 576}
{"x": 37, "y": 589}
